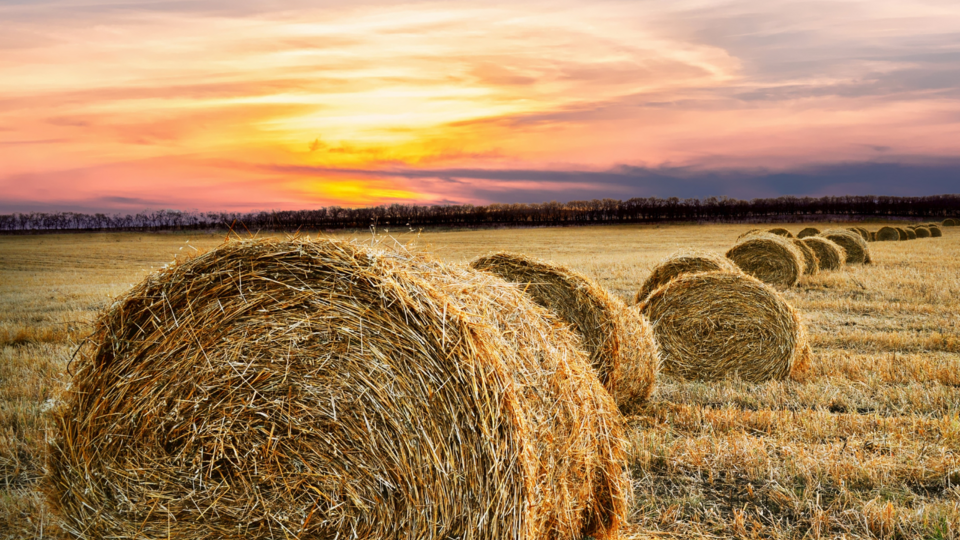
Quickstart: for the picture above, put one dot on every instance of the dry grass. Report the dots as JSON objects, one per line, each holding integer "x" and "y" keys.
{"x": 866, "y": 444}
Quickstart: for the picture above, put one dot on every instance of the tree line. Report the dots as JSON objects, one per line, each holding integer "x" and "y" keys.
{"x": 597, "y": 211}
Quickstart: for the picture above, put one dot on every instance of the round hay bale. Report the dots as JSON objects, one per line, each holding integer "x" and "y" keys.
{"x": 811, "y": 265}
{"x": 720, "y": 324}
{"x": 781, "y": 232}
{"x": 911, "y": 234}
{"x": 313, "y": 389}
{"x": 922, "y": 232}
{"x": 935, "y": 231}
{"x": 618, "y": 339}
{"x": 887, "y": 234}
{"x": 809, "y": 231}
{"x": 770, "y": 258}
{"x": 830, "y": 255}
{"x": 950, "y": 222}
{"x": 852, "y": 243}
{"x": 683, "y": 262}
{"x": 863, "y": 233}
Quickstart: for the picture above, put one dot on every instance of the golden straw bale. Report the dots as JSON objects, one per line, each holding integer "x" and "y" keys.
{"x": 830, "y": 256}
{"x": 279, "y": 389}
{"x": 935, "y": 231}
{"x": 860, "y": 231}
{"x": 811, "y": 265}
{"x": 720, "y": 324}
{"x": 922, "y": 232}
{"x": 781, "y": 232}
{"x": 852, "y": 243}
{"x": 620, "y": 342}
{"x": 809, "y": 231}
{"x": 683, "y": 262}
{"x": 886, "y": 234}
{"x": 950, "y": 222}
{"x": 911, "y": 234}
{"x": 770, "y": 258}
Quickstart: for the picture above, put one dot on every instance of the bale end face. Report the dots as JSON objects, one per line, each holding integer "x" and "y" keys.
{"x": 716, "y": 325}
{"x": 855, "y": 246}
{"x": 888, "y": 234}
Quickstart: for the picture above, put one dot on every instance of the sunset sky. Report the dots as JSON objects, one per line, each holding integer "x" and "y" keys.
{"x": 122, "y": 106}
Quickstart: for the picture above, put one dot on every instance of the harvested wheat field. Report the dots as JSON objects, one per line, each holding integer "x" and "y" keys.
{"x": 865, "y": 443}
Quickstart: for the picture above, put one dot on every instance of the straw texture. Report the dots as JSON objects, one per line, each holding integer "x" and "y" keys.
{"x": 830, "y": 256}
{"x": 852, "y": 243}
{"x": 296, "y": 389}
{"x": 809, "y": 231}
{"x": 720, "y": 324}
{"x": 683, "y": 262}
{"x": 811, "y": 264}
{"x": 887, "y": 234}
{"x": 620, "y": 342}
{"x": 770, "y": 258}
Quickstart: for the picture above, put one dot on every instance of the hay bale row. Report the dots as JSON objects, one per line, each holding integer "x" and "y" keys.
{"x": 618, "y": 339}
{"x": 718, "y": 324}
{"x": 326, "y": 389}
{"x": 770, "y": 258}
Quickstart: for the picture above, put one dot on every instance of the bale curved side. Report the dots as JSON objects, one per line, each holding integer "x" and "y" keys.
{"x": 718, "y": 324}
{"x": 683, "y": 262}
{"x": 888, "y": 234}
{"x": 922, "y": 232}
{"x": 852, "y": 243}
{"x": 619, "y": 341}
{"x": 770, "y": 258}
{"x": 809, "y": 231}
{"x": 830, "y": 255}
{"x": 935, "y": 231}
{"x": 781, "y": 232}
{"x": 310, "y": 389}
{"x": 811, "y": 264}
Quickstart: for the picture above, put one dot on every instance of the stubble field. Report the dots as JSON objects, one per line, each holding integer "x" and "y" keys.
{"x": 865, "y": 445}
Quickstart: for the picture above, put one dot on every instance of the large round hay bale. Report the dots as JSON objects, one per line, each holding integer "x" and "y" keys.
{"x": 852, "y": 243}
{"x": 683, "y": 262}
{"x": 887, "y": 234}
{"x": 809, "y": 231}
{"x": 277, "y": 389}
{"x": 781, "y": 232}
{"x": 950, "y": 222}
{"x": 911, "y": 234}
{"x": 620, "y": 342}
{"x": 770, "y": 258}
{"x": 935, "y": 231}
{"x": 922, "y": 232}
{"x": 719, "y": 324}
{"x": 811, "y": 265}
{"x": 829, "y": 255}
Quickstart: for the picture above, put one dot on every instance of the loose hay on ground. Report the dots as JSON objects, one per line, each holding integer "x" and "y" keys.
{"x": 719, "y": 324}
{"x": 620, "y": 341}
{"x": 683, "y": 262}
{"x": 313, "y": 389}
{"x": 770, "y": 258}
{"x": 829, "y": 254}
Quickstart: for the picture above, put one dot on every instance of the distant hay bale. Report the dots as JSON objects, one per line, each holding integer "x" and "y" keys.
{"x": 272, "y": 389}
{"x": 922, "y": 232}
{"x": 829, "y": 255}
{"x": 811, "y": 265}
{"x": 781, "y": 232}
{"x": 770, "y": 258}
{"x": 911, "y": 234}
{"x": 852, "y": 243}
{"x": 950, "y": 222}
{"x": 809, "y": 231}
{"x": 620, "y": 342}
{"x": 887, "y": 234}
{"x": 683, "y": 262}
{"x": 720, "y": 324}
{"x": 935, "y": 231}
